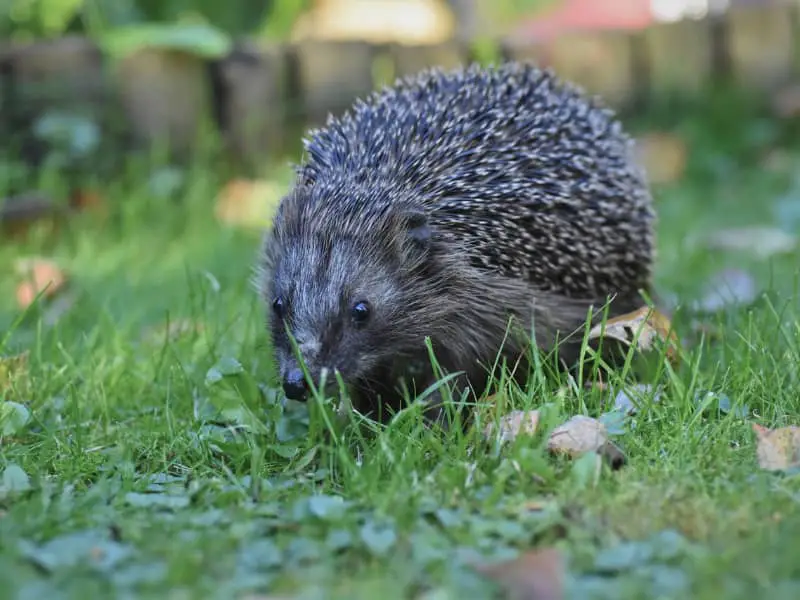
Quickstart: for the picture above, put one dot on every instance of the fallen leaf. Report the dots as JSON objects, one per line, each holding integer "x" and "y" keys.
{"x": 760, "y": 241}
{"x": 41, "y": 276}
{"x": 777, "y": 449}
{"x": 578, "y": 435}
{"x": 247, "y": 203}
{"x": 662, "y": 155}
{"x": 646, "y": 326}
{"x": 511, "y": 425}
{"x": 730, "y": 287}
{"x": 583, "y": 434}
{"x": 535, "y": 575}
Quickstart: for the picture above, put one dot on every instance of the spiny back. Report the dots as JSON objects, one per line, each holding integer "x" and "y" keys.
{"x": 518, "y": 170}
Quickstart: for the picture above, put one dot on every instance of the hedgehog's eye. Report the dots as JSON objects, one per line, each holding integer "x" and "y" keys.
{"x": 277, "y": 307}
{"x": 360, "y": 312}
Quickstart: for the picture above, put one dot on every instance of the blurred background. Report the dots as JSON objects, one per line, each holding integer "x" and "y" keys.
{"x": 113, "y": 110}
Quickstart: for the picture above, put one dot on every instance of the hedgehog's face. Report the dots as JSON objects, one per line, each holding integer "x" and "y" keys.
{"x": 341, "y": 303}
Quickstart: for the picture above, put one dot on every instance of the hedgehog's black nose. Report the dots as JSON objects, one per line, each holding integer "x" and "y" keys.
{"x": 294, "y": 385}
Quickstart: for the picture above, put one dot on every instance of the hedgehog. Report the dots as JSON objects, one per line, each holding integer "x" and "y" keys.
{"x": 446, "y": 225}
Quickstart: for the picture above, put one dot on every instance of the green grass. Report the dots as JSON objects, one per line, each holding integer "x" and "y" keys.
{"x": 240, "y": 503}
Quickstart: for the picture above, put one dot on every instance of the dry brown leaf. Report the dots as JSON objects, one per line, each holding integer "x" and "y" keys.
{"x": 535, "y": 575}
{"x": 777, "y": 449}
{"x": 40, "y": 276}
{"x": 514, "y": 423}
{"x": 646, "y": 326}
{"x": 663, "y": 156}
{"x": 10, "y": 367}
{"x": 578, "y": 435}
{"x": 247, "y": 203}
{"x": 583, "y": 434}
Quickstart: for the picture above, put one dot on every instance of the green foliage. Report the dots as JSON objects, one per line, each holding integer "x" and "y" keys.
{"x": 47, "y": 18}
{"x": 44, "y": 18}
{"x": 198, "y": 39}
{"x": 133, "y": 461}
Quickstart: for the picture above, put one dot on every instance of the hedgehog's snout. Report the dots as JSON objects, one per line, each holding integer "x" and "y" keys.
{"x": 294, "y": 384}
{"x": 294, "y": 381}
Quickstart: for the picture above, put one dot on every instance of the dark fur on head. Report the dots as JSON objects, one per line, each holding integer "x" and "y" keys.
{"x": 446, "y": 205}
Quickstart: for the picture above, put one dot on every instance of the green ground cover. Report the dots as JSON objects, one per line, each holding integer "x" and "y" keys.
{"x": 126, "y": 481}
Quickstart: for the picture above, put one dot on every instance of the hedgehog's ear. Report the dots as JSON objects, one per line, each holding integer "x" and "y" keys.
{"x": 418, "y": 227}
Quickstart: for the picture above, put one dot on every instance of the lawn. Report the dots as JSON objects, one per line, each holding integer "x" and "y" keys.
{"x": 168, "y": 467}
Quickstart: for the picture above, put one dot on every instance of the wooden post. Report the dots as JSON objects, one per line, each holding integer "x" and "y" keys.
{"x": 250, "y": 91}
{"x": 602, "y": 63}
{"x": 332, "y": 75}
{"x": 680, "y": 56}
{"x": 165, "y": 94}
{"x": 761, "y": 45}
{"x": 409, "y": 60}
